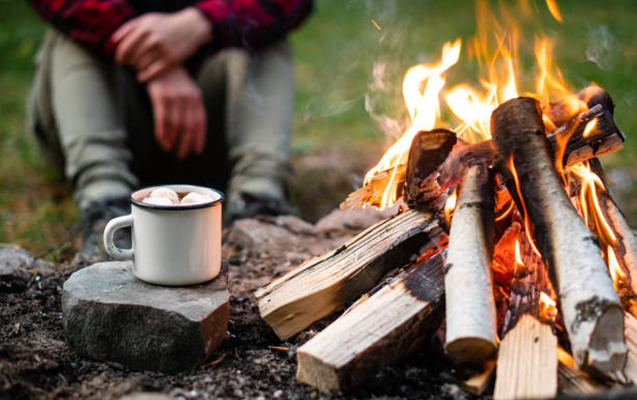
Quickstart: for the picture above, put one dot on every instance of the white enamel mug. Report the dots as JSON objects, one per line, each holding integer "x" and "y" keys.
{"x": 172, "y": 245}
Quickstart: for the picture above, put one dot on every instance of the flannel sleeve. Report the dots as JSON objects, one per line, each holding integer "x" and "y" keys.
{"x": 253, "y": 23}
{"x": 90, "y": 22}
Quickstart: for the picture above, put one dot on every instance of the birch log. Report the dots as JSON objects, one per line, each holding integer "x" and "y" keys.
{"x": 572, "y": 381}
{"x": 588, "y": 302}
{"x": 630, "y": 330}
{"x": 323, "y": 284}
{"x": 379, "y": 331}
{"x": 470, "y": 306}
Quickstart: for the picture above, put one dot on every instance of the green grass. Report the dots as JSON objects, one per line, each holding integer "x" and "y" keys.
{"x": 337, "y": 52}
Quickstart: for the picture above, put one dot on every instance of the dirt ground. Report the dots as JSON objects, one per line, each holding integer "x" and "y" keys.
{"x": 35, "y": 362}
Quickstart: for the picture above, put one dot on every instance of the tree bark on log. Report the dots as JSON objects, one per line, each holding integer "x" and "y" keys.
{"x": 323, "y": 284}
{"x": 470, "y": 306}
{"x": 630, "y": 330}
{"x": 527, "y": 362}
{"x": 588, "y": 302}
{"x": 379, "y": 331}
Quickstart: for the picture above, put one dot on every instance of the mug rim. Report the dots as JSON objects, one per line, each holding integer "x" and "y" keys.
{"x": 138, "y": 203}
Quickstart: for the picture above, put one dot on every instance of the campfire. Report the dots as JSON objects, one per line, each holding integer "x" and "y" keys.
{"x": 506, "y": 242}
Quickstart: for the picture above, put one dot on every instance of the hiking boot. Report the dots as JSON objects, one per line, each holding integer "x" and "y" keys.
{"x": 93, "y": 221}
{"x": 249, "y": 205}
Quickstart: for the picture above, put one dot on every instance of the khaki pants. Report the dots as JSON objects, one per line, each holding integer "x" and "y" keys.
{"x": 94, "y": 122}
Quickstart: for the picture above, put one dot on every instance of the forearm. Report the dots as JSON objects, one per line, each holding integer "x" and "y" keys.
{"x": 89, "y": 22}
{"x": 253, "y": 23}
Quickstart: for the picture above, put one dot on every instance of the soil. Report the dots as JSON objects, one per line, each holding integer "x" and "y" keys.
{"x": 252, "y": 363}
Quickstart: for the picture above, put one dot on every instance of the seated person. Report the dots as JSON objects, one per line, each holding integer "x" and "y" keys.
{"x": 129, "y": 93}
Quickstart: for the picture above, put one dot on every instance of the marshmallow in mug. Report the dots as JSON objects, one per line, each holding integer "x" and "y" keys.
{"x": 168, "y": 197}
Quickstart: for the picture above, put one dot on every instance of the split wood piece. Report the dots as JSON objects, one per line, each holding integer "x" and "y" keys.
{"x": 572, "y": 146}
{"x": 372, "y": 192}
{"x": 588, "y": 302}
{"x": 625, "y": 244}
{"x": 470, "y": 306}
{"x": 572, "y": 381}
{"x": 380, "y": 331}
{"x": 561, "y": 112}
{"x": 478, "y": 383}
{"x": 527, "y": 362}
{"x": 324, "y": 284}
{"x": 428, "y": 151}
{"x": 630, "y": 330}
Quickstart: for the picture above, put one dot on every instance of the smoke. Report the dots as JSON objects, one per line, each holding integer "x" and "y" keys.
{"x": 602, "y": 47}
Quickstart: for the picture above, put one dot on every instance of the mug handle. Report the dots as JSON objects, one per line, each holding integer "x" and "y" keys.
{"x": 109, "y": 232}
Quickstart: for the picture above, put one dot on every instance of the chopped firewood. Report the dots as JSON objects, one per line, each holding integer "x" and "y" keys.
{"x": 428, "y": 151}
{"x": 572, "y": 144}
{"x": 389, "y": 325}
{"x": 572, "y": 381}
{"x": 588, "y": 302}
{"x": 560, "y": 113}
{"x": 372, "y": 192}
{"x": 478, "y": 383}
{"x": 470, "y": 307}
{"x": 323, "y": 284}
{"x": 527, "y": 362}
{"x": 630, "y": 331}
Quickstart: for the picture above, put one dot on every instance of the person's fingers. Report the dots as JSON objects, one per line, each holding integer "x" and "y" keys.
{"x": 158, "y": 67}
{"x": 124, "y": 30}
{"x": 201, "y": 129}
{"x": 146, "y": 60}
{"x": 175, "y": 124}
{"x": 131, "y": 46}
{"x": 160, "y": 115}
{"x": 187, "y": 133}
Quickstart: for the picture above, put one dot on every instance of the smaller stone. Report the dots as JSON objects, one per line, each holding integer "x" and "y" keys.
{"x": 14, "y": 263}
{"x": 109, "y": 315}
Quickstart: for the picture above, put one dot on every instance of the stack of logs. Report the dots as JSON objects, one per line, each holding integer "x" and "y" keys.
{"x": 397, "y": 272}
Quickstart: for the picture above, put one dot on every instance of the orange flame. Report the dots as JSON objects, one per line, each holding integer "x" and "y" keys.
{"x": 548, "y": 307}
{"x": 423, "y": 109}
{"x": 555, "y": 11}
{"x": 450, "y": 207}
{"x": 590, "y": 127}
{"x": 617, "y": 273}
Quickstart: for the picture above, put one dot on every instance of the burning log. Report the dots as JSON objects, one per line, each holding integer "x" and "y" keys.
{"x": 470, "y": 307}
{"x": 378, "y": 331}
{"x": 630, "y": 330}
{"x": 321, "y": 285}
{"x": 589, "y": 304}
{"x": 528, "y": 353}
{"x": 428, "y": 151}
{"x": 623, "y": 242}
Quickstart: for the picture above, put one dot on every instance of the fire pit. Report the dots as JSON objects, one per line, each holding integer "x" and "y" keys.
{"x": 507, "y": 244}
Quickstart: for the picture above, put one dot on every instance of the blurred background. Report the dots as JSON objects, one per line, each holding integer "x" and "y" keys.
{"x": 351, "y": 57}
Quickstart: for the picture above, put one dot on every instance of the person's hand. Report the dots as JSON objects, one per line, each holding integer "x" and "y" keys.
{"x": 178, "y": 112}
{"x": 155, "y": 42}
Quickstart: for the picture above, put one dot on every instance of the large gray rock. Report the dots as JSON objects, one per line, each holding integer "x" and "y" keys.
{"x": 109, "y": 315}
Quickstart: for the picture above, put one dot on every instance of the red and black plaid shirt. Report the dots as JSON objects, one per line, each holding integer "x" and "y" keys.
{"x": 236, "y": 23}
